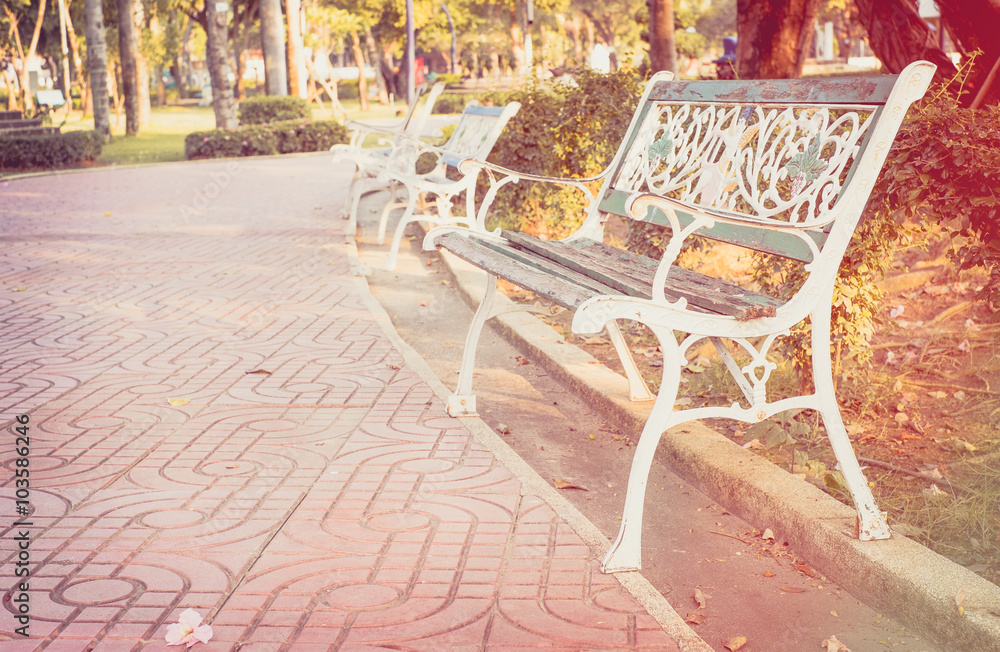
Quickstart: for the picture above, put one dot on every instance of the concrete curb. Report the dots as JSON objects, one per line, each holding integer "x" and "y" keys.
{"x": 532, "y": 484}
{"x": 899, "y": 577}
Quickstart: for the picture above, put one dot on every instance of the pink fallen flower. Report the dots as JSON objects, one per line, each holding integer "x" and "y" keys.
{"x": 189, "y": 630}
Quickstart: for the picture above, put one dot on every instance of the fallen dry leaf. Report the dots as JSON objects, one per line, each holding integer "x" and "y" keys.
{"x": 699, "y": 598}
{"x": 695, "y": 619}
{"x": 806, "y": 570}
{"x": 394, "y": 367}
{"x": 565, "y": 484}
{"x": 833, "y": 645}
{"x": 768, "y": 574}
{"x": 959, "y": 600}
{"x": 178, "y": 401}
{"x": 257, "y": 371}
{"x": 736, "y": 643}
{"x": 503, "y": 428}
{"x": 792, "y": 589}
{"x": 521, "y": 361}
{"x": 753, "y": 443}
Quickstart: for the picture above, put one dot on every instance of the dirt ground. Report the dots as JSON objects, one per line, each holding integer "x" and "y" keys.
{"x": 923, "y": 412}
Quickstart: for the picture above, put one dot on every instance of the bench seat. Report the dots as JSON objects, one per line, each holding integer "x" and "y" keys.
{"x": 570, "y": 273}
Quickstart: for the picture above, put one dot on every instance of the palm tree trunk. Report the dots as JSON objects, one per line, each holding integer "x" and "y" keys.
{"x": 97, "y": 65}
{"x": 217, "y": 56}
{"x": 295, "y": 53}
{"x": 128, "y": 54}
{"x": 272, "y": 38}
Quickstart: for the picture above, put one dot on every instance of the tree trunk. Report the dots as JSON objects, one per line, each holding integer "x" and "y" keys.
{"x": 161, "y": 87}
{"x": 662, "y": 55}
{"x": 142, "y": 88}
{"x": 296, "y": 81}
{"x": 11, "y": 94}
{"x": 774, "y": 37}
{"x": 975, "y": 24}
{"x": 272, "y": 38}
{"x": 517, "y": 39}
{"x": 97, "y": 65}
{"x": 240, "y": 61}
{"x": 81, "y": 74}
{"x": 28, "y": 102}
{"x": 898, "y": 36}
{"x": 141, "y": 68}
{"x": 383, "y": 92}
{"x": 217, "y": 57}
{"x": 128, "y": 52}
{"x": 359, "y": 61}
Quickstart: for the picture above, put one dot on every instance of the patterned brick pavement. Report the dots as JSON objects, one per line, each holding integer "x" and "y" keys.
{"x": 324, "y": 502}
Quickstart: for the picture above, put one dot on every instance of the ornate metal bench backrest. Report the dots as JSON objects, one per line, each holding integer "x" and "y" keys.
{"x": 805, "y": 152}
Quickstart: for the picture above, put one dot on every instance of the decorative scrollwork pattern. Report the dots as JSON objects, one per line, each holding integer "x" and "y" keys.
{"x": 779, "y": 162}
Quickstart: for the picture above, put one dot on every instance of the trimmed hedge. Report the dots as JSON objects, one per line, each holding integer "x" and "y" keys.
{"x": 265, "y": 109}
{"x": 263, "y": 140}
{"x": 50, "y": 151}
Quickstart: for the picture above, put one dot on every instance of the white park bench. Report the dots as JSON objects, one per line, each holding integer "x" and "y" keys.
{"x": 780, "y": 166}
{"x": 475, "y": 134}
{"x": 369, "y": 161}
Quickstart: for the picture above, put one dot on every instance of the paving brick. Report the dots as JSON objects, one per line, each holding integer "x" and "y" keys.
{"x": 329, "y": 500}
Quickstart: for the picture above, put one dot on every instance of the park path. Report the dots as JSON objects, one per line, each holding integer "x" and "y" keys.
{"x": 219, "y": 422}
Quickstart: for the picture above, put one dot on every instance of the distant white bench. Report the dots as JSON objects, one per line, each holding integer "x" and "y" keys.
{"x": 372, "y": 160}
{"x": 50, "y": 98}
{"x": 476, "y": 133}
{"x": 783, "y": 167}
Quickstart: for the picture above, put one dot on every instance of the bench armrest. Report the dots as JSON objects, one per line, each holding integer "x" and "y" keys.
{"x": 685, "y": 219}
{"x": 500, "y": 176}
{"x": 355, "y": 125}
{"x": 471, "y": 164}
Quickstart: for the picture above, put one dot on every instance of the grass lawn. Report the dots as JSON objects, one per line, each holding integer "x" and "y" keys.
{"x": 163, "y": 138}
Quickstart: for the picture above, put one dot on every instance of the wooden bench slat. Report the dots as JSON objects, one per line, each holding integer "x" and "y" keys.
{"x": 771, "y": 242}
{"x": 550, "y": 266}
{"x": 632, "y": 274}
{"x": 556, "y": 289}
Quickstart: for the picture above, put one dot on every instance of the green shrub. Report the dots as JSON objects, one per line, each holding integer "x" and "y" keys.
{"x": 347, "y": 89}
{"x": 560, "y": 131}
{"x": 448, "y": 79}
{"x": 448, "y": 103}
{"x": 945, "y": 169}
{"x": 690, "y": 44}
{"x": 50, "y": 151}
{"x": 262, "y": 140}
{"x": 265, "y": 109}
